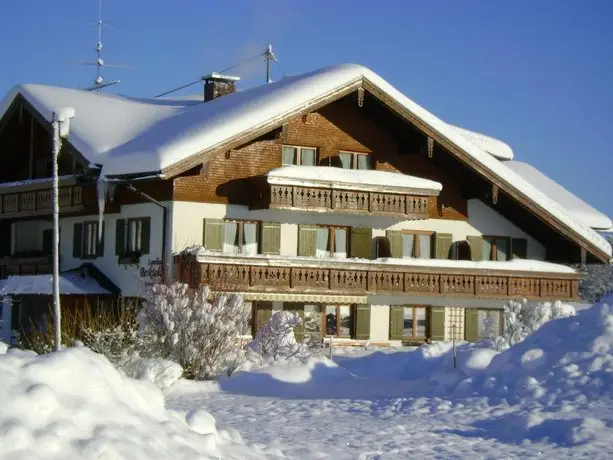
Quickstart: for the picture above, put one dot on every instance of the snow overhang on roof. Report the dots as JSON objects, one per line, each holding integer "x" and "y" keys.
{"x": 352, "y": 179}
{"x": 130, "y": 136}
{"x": 494, "y": 147}
{"x": 574, "y": 205}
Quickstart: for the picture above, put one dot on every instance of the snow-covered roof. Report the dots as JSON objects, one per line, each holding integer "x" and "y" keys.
{"x": 574, "y": 205}
{"x": 494, "y": 147}
{"x": 352, "y": 179}
{"x": 71, "y": 283}
{"x": 137, "y": 136}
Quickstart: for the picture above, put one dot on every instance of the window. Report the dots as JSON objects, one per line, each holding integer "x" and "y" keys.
{"x": 338, "y": 320}
{"x": 414, "y": 322}
{"x": 323, "y": 241}
{"x": 410, "y": 244}
{"x": 133, "y": 236}
{"x": 87, "y": 243}
{"x": 353, "y": 160}
{"x": 304, "y": 156}
{"x": 240, "y": 237}
{"x": 312, "y": 321}
{"x": 495, "y": 248}
{"x": 488, "y": 323}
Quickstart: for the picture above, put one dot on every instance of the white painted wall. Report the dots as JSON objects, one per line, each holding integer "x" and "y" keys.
{"x": 127, "y": 278}
{"x": 187, "y": 224}
{"x": 28, "y": 235}
{"x": 379, "y": 323}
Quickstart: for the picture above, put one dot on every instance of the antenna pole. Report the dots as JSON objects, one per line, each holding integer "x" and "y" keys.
{"x": 269, "y": 56}
{"x": 99, "y": 45}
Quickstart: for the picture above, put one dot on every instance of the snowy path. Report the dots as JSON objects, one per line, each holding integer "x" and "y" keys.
{"x": 311, "y": 426}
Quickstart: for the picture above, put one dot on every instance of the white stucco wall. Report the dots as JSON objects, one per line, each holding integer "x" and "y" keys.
{"x": 127, "y": 278}
{"x": 379, "y": 323}
{"x": 187, "y": 224}
{"x": 28, "y": 235}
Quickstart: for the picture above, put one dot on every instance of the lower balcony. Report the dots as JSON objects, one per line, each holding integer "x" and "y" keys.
{"x": 517, "y": 279}
{"x": 25, "y": 266}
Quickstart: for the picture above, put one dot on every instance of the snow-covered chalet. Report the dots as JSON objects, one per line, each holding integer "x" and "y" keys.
{"x": 330, "y": 194}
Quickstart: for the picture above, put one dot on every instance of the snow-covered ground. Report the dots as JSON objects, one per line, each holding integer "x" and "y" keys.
{"x": 550, "y": 396}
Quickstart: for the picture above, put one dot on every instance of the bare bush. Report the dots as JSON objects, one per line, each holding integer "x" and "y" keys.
{"x": 276, "y": 338}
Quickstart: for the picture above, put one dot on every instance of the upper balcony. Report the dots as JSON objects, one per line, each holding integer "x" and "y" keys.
{"x": 414, "y": 277}
{"x": 349, "y": 191}
{"x": 35, "y": 197}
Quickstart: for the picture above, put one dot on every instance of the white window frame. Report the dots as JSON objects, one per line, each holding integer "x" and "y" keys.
{"x": 354, "y": 158}
{"x": 298, "y": 154}
{"x": 90, "y": 241}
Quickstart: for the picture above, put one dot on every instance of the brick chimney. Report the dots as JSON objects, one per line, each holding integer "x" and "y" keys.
{"x": 216, "y": 85}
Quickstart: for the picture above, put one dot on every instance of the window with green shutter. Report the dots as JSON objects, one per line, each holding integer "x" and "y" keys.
{"x": 437, "y": 323}
{"x": 271, "y": 238}
{"x": 361, "y": 243}
{"x": 307, "y": 240}
{"x": 132, "y": 238}
{"x": 395, "y": 239}
{"x": 263, "y": 312}
{"x": 362, "y": 322}
{"x": 476, "y": 247}
{"x": 408, "y": 322}
{"x": 213, "y": 237}
{"x": 471, "y": 324}
{"x": 396, "y": 322}
{"x": 442, "y": 245}
{"x": 519, "y": 248}
{"x": 87, "y": 242}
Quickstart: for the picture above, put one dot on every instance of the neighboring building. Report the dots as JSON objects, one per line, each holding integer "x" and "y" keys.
{"x": 330, "y": 194}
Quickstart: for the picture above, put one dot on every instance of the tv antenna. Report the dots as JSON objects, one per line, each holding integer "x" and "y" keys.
{"x": 269, "y": 57}
{"x": 99, "y": 82}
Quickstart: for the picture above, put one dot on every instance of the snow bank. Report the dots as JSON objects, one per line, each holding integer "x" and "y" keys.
{"x": 74, "y": 404}
{"x": 161, "y": 372}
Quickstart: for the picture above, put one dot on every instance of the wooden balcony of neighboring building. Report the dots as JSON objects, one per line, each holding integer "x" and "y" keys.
{"x": 379, "y": 193}
{"x": 35, "y": 198}
{"x": 333, "y": 276}
{"x": 40, "y": 265}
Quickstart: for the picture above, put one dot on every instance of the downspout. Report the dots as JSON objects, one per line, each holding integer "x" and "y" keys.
{"x": 164, "y": 224}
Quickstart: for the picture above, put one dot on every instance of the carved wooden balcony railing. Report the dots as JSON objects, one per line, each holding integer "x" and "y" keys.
{"x": 265, "y": 195}
{"x": 25, "y": 266}
{"x": 301, "y": 275}
{"x": 40, "y": 202}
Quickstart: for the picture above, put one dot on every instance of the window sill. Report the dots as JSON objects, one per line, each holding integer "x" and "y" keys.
{"x": 129, "y": 259}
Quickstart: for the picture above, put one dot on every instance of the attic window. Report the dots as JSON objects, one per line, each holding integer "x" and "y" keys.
{"x": 303, "y": 156}
{"x": 354, "y": 160}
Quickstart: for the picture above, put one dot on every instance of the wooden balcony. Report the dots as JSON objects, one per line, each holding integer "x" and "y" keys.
{"x": 272, "y": 196}
{"x": 306, "y": 275}
{"x": 25, "y": 266}
{"x": 39, "y": 202}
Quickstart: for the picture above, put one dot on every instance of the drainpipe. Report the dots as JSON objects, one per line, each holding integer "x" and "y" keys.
{"x": 164, "y": 223}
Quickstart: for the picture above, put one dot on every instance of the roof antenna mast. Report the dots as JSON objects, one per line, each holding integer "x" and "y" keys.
{"x": 269, "y": 57}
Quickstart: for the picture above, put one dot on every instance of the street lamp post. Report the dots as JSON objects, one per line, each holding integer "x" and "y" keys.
{"x": 60, "y": 124}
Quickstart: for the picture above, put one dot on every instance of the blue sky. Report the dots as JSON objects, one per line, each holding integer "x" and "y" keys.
{"x": 536, "y": 74}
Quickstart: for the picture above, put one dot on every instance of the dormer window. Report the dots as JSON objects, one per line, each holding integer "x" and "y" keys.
{"x": 303, "y": 156}
{"x": 354, "y": 160}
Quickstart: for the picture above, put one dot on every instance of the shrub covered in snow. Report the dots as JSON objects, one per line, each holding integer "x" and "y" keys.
{"x": 180, "y": 324}
{"x": 522, "y": 318}
{"x": 276, "y": 338}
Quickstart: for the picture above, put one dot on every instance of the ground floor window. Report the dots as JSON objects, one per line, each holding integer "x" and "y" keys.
{"x": 338, "y": 320}
{"x": 312, "y": 321}
{"x": 408, "y": 322}
{"x": 489, "y": 322}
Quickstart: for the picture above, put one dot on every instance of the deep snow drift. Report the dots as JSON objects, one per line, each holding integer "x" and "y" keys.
{"x": 74, "y": 404}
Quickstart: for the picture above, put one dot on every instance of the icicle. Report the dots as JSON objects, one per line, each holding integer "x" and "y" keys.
{"x": 102, "y": 192}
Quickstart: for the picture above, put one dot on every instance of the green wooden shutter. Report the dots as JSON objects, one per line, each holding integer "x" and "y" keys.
{"x": 298, "y": 309}
{"x": 100, "y": 245}
{"x": 77, "y": 241}
{"x": 263, "y": 312}
{"x": 362, "y": 322}
{"x": 307, "y": 240}
{"x": 395, "y": 239}
{"x": 442, "y": 244}
{"x": 145, "y": 235}
{"x": 476, "y": 247}
{"x": 360, "y": 246}
{"x": 471, "y": 325}
{"x": 213, "y": 234}
{"x": 437, "y": 323}
{"x": 519, "y": 248}
{"x": 396, "y": 322}
{"x": 271, "y": 238}
{"x": 120, "y": 237}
